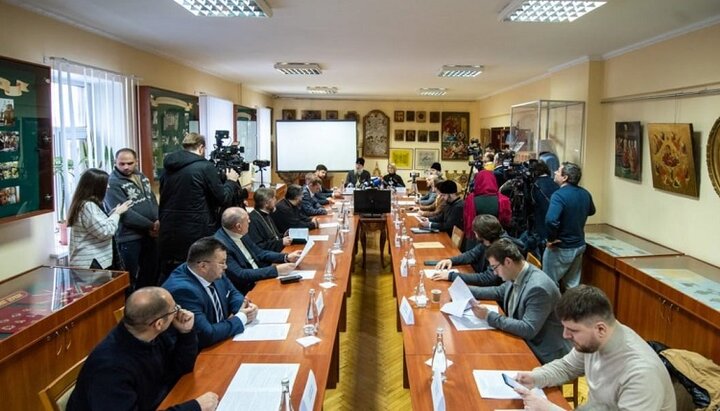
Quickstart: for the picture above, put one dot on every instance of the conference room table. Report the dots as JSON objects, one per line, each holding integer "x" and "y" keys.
{"x": 216, "y": 365}
{"x": 468, "y": 350}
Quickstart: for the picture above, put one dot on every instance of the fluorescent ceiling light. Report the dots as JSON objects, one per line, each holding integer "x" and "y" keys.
{"x": 460, "y": 71}
{"x": 322, "y": 90}
{"x": 432, "y": 91}
{"x": 307, "y": 69}
{"x": 548, "y": 11}
{"x": 227, "y": 8}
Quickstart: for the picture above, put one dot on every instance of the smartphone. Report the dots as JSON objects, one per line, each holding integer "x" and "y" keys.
{"x": 511, "y": 381}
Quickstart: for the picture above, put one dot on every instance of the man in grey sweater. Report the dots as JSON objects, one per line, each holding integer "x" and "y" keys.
{"x": 622, "y": 371}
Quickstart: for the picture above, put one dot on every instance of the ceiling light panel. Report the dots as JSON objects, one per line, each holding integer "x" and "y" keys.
{"x": 432, "y": 91}
{"x": 322, "y": 90}
{"x": 548, "y": 11}
{"x": 227, "y": 8}
{"x": 304, "y": 69}
{"x": 460, "y": 71}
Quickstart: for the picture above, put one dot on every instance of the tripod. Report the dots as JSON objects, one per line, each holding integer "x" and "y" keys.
{"x": 262, "y": 179}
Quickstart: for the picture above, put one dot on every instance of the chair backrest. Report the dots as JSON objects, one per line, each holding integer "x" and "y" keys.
{"x": 457, "y": 237}
{"x": 55, "y": 396}
{"x": 534, "y": 260}
{"x": 119, "y": 313}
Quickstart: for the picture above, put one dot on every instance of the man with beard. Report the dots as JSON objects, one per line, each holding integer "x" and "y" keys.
{"x": 622, "y": 370}
{"x": 263, "y": 231}
{"x": 139, "y": 226}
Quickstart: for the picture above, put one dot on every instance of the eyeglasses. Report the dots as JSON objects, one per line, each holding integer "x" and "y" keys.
{"x": 173, "y": 312}
{"x": 494, "y": 267}
{"x": 222, "y": 263}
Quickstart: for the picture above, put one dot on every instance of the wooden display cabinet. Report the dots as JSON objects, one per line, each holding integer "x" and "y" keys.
{"x": 605, "y": 244}
{"x": 674, "y": 300}
{"x": 50, "y": 318}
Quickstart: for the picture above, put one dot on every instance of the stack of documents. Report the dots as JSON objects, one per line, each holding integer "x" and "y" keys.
{"x": 269, "y": 325}
{"x": 460, "y": 308}
{"x": 257, "y": 387}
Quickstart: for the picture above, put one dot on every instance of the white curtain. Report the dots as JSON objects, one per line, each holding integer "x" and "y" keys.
{"x": 94, "y": 115}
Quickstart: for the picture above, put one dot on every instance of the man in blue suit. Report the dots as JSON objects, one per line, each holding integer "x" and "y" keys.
{"x": 246, "y": 262}
{"x": 199, "y": 285}
{"x": 310, "y": 204}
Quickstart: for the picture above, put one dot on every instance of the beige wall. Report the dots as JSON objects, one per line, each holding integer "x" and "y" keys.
{"x": 27, "y": 243}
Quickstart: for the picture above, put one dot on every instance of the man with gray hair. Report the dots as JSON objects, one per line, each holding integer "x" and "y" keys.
{"x": 246, "y": 262}
{"x": 263, "y": 230}
{"x": 141, "y": 359}
{"x": 567, "y": 213}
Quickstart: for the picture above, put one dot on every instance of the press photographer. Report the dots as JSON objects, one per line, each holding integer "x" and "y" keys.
{"x": 191, "y": 194}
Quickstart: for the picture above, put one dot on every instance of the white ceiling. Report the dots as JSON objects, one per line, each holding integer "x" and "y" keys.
{"x": 378, "y": 49}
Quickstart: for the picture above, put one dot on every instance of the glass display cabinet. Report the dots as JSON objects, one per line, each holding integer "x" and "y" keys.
{"x": 547, "y": 126}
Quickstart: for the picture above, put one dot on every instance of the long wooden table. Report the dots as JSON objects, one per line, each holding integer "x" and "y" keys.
{"x": 216, "y": 365}
{"x": 469, "y": 350}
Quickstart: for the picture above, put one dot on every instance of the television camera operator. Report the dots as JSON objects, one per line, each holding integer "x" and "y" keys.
{"x": 193, "y": 191}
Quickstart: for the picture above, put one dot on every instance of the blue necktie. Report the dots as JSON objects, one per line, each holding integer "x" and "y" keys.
{"x": 216, "y": 303}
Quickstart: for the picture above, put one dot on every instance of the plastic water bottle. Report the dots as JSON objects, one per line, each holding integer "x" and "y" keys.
{"x": 439, "y": 360}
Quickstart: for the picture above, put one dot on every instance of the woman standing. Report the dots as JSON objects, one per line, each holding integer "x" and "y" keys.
{"x": 92, "y": 229}
{"x": 485, "y": 199}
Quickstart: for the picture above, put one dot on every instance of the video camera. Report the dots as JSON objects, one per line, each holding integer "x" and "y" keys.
{"x": 414, "y": 175}
{"x": 225, "y": 157}
{"x": 261, "y": 163}
{"x": 476, "y": 152}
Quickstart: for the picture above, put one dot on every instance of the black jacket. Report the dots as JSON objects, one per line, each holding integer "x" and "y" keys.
{"x": 393, "y": 180}
{"x": 264, "y": 232}
{"x": 191, "y": 196}
{"x": 137, "y": 221}
{"x": 355, "y": 180}
{"x": 452, "y": 216}
{"x": 288, "y": 216}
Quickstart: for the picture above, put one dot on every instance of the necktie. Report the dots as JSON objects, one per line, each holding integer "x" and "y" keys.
{"x": 512, "y": 300}
{"x": 216, "y": 303}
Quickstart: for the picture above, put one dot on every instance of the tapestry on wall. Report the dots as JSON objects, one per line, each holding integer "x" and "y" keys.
{"x": 454, "y": 135}
{"x": 628, "y": 150}
{"x": 376, "y": 131}
{"x": 672, "y": 159}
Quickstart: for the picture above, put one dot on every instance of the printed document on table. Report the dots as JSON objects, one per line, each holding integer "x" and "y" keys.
{"x": 428, "y": 244}
{"x": 460, "y": 295}
{"x": 309, "y": 245}
{"x": 271, "y": 316}
{"x": 257, "y": 387}
{"x": 469, "y": 321}
{"x": 306, "y": 274}
{"x": 328, "y": 225}
{"x": 429, "y": 272}
{"x": 264, "y": 332}
{"x": 491, "y": 385}
{"x": 319, "y": 237}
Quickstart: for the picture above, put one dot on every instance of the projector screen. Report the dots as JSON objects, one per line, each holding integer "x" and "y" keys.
{"x": 301, "y": 145}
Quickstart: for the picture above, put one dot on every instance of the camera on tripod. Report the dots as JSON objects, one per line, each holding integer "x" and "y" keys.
{"x": 475, "y": 151}
{"x": 261, "y": 163}
{"x": 414, "y": 175}
{"x": 226, "y": 157}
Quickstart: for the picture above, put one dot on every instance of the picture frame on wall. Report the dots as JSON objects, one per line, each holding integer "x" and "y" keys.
{"x": 424, "y": 158}
{"x": 420, "y": 116}
{"x": 402, "y": 158}
{"x": 376, "y": 134}
{"x": 434, "y": 136}
{"x": 399, "y": 116}
{"x": 454, "y": 137}
{"x": 628, "y": 150}
{"x": 289, "y": 114}
{"x": 312, "y": 115}
{"x": 409, "y": 115}
{"x": 672, "y": 158}
{"x": 399, "y": 135}
{"x": 351, "y": 115}
{"x": 434, "y": 116}
{"x": 422, "y": 136}
{"x": 331, "y": 114}
{"x": 409, "y": 135}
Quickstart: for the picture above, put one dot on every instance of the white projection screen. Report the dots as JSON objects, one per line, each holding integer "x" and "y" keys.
{"x": 301, "y": 145}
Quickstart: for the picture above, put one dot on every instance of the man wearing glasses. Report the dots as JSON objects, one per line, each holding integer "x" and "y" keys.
{"x": 528, "y": 297}
{"x": 200, "y": 286}
{"x": 141, "y": 359}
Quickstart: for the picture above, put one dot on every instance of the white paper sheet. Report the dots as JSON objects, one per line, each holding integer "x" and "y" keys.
{"x": 327, "y": 284}
{"x": 264, "y": 332}
{"x": 438, "y": 395}
{"x": 308, "y": 246}
{"x": 272, "y": 316}
{"x": 308, "y": 399}
{"x": 328, "y": 225}
{"x": 491, "y": 385}
{"x": 406, "y": 312}
{"x": 257, "y": 387}
{"x": 306, "y": 274}
{"x": 469, "y": 321}
{"x": 319, "y": 237}
{"x": 308, "y": 341}
{"x": 460, "y": 295}
{"x": 298, "y": 233}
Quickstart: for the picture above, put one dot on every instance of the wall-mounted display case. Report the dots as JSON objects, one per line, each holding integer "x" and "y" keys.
{"x": 165, "y": 118}
{"x": 26, "y": 159}
{"x": 547, "y": 126}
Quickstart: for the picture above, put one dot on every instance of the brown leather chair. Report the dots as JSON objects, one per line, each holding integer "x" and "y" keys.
{"x": 533, "y": 260}
{"x": 457, "y": 237}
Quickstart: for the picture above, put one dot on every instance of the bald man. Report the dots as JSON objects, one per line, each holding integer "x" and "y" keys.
{"x": 246, "y": 262}
{"x": 141, "y": 359}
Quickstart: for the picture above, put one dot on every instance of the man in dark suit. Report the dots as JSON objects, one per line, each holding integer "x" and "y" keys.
{"x": 246, "y": 262}
{"x": 263, "y": 230}
{"x": 452, "y": 215}
{"x": 528, "y": 298}
{"x": 359, "y": 175}
{"x": 199, "y": 285}
{"x": 288, "y": 213}
{"x": 310, "y": 204}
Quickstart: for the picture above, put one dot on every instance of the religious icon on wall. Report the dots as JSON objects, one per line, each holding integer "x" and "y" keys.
{"x": 399, "y": 116}
{"x": 376, "y": 134}
{"x": 420, "y": 116}
{"x": 628, "y": 150}
{"x": 434, "y": 116}
{"x": 434, "y": 136}
{"x": 311, "y": 114}
{"x": 672, "y": 158}
{"x": 410, "y": 135}
{"x": 331, "y": 114}
{"x": 455, "y": 135}
{"x": 7, "y": 112}
{"x": 351, "y": 115}
{"x": 399, "y": 135}
{"x": 422, "y": 136}
{"x": 409, "y": 115}
{"x": 289, "y": 114}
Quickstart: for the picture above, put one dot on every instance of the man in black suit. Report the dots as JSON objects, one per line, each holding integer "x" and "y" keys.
{"x": 452, "y": 215}
{"x": 288, "y": 213}
{"x": 359, "y": 175}
{"x": 246, "y": 262}
{"x": 263, "y": 230}
{"x": 310, "y": 204}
